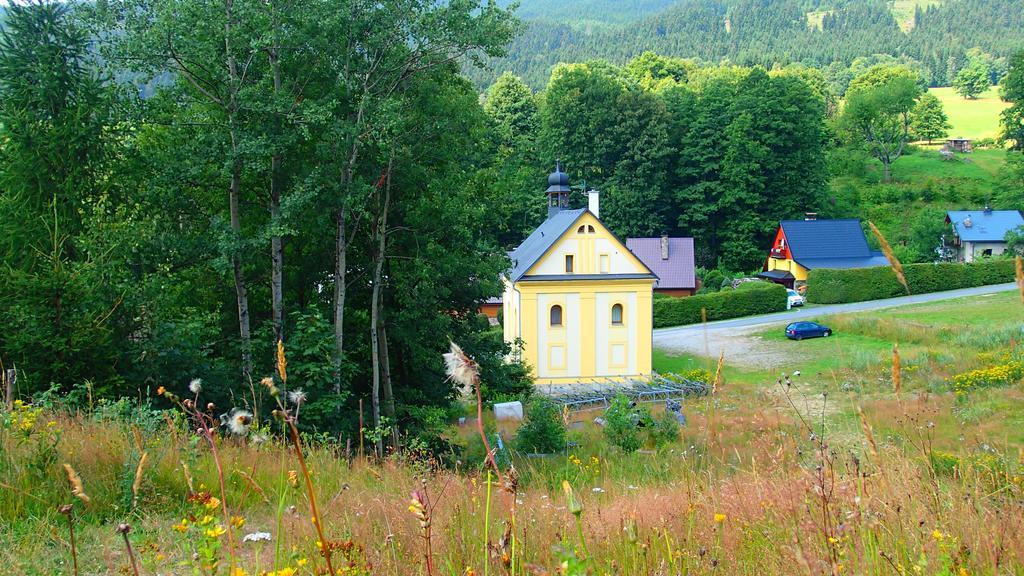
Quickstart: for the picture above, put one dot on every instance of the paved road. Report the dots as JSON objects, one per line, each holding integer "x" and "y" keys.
{"x": 664, "y": 337}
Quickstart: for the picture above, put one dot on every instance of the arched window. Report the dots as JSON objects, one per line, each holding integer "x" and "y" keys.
{"x": 617, "y": 315}
{"x": 556, "y": 315}
{"x": 581, "y": 230}
{"x": 590, "y": 229}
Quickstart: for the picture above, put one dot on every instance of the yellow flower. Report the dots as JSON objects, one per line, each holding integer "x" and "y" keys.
{"x": 182, "y": 527}
{"x": 213, "y": 503}
{"x": 937, "y": 534}
{"x": 301, "y": 562}
{"x": 159, "y": 557}
{"x": 215, "y": 532}
{"x": 160, "y": 391}
{"x": 237, "y": 521}
{"x": 719, "y": 518}
{"x": 293, "y": 478}
{"x": 205, "y": 520}
{"x": 236, "y": 571}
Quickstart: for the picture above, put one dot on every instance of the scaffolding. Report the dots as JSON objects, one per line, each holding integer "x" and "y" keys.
{"x": 597, "y": 393}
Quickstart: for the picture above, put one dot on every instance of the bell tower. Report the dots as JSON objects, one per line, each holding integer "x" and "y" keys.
{"x": 558, "y": 190}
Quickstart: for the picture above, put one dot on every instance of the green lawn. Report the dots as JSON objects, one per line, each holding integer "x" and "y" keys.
{"x": 924, "y": 163}
{"x": 978, "y": 118}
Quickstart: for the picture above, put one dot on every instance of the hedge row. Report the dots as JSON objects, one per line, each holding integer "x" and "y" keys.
{"x": 752, "y": 298}
{"x": 825, "y": 286}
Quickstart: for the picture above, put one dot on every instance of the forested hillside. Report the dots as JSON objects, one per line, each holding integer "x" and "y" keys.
{"x": 765, "y": 32}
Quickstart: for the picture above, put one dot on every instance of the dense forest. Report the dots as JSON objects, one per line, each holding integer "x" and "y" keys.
{"x": 830, "y": 34}
{"x": 184, "y": 187}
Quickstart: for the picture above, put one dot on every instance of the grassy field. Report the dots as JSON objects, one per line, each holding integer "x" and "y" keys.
{"x": 977, "y": 118}
{"x": 851, "y": 467}
{"x": 903, "y": 11}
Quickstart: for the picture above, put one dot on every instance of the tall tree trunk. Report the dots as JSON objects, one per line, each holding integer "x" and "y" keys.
{"x": 276, "y": 251}
{"x": 385, "y": 370}
{"x": 241, "y": 293}
{"x": 341, "y": 250}
{"x": 235, "y": 191}
{"x": 340, "y": 263}
{"x": 886, "y": 171}
{"x": 375, "y": 321}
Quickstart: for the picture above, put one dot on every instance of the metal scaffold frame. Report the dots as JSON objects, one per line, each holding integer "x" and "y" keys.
{"x": 596, "y": 393}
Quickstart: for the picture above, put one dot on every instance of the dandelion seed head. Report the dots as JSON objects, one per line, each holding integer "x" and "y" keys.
{"x": 297, "y": 396}
{"x": 460, "y": 368}
{"x": 239, "y": 422}
{"x": 196, "y": 385}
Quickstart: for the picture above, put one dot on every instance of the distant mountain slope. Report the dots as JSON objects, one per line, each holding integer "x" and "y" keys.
{"x": 765, "y": 32}
{"x": 575, "y": 11}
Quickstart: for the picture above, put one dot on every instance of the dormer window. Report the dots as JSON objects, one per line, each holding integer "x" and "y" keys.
{"x": 569, "y": 263}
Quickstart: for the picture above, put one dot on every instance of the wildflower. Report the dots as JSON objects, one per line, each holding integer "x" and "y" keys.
{"x": 258, "y": 438}
{"x": 938, "y": 535}
{"x": 215, "y": 532}
{"x": 418, "y": 507}
{"x": 268, "y": 382}
{"x": 719, "y": 518}
{"x": 239, "y": 422}
{"x": 195, "y": 386}
{"x": 160, "y": 391}
{"x": 181, "y": 527}
{"x": 213, "y": 503}
{"x": 257, "y": 537}
{"x": 297, "y": 396}
{"x": 205, "y": 520}
{"x": 293, "y": 478}
{"x": 237, "y": 522}
{"x": 460, "y": 367}
{"x": 236, "y": 571}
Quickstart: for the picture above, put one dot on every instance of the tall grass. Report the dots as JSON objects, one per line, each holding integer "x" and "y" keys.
{"x": 752, "y": 506}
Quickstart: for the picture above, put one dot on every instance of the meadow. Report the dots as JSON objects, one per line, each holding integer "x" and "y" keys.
{"x": 975, "y": 118}
{"x": 865, "y": 463}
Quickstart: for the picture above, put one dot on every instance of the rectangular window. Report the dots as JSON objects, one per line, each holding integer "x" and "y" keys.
{"x": 568, "y": 263}
{"x": 604, "y": 264}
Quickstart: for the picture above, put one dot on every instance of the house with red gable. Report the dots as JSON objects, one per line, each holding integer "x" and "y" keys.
{"x": 803, "y": 245}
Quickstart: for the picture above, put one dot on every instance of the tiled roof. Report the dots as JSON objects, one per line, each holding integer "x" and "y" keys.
{"x": 990, "y": 226}
{"x": 830, "y": 244}
{"x": 537, "y": 243}
{"x": 676, "y": 271}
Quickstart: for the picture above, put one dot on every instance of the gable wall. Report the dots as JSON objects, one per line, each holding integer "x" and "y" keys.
{"x": 587, "y": 249}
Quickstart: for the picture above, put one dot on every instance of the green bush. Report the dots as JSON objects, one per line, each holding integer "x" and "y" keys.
{"x": 828, "y": 286}
{"x": 620, "y": 427}
{"x": 753, "y": 298}
{"x": 665, "y": 430}
{"x": 543, "y": 431}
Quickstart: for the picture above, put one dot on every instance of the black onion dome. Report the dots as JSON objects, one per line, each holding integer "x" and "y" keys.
{"x": 558, "y": 181}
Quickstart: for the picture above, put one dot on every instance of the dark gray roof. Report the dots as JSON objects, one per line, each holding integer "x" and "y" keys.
{"x": 830, "y": 244}
{"x": 675, "y": 272}
{"x": 990, "y": 226}
{"x": 547, "y": 277}
{"x": 776, "y": 274}
{"x": 537, "y": 243}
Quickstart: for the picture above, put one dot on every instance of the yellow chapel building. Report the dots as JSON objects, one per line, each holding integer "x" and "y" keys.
{"x": 578, "y": 300}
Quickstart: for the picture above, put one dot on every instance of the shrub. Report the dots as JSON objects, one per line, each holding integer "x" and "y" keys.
{"x": 621, "y": 420}
{"x": 543, "y": 431}
{"x": 665, "y": 429}
{"x": 754, "y": 298}
{"x": 836, "y": 286}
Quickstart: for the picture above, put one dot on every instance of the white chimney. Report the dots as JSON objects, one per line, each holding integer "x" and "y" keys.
{"x": 664, "y": 247}
{"x": 594, "y": 202}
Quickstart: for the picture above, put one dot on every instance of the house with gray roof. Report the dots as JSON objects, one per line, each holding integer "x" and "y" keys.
{"x": 981, "y": 233}
{"x": 671, "y": 259}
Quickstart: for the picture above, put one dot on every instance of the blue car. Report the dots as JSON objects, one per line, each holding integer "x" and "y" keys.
{"x": 801, "y": 330}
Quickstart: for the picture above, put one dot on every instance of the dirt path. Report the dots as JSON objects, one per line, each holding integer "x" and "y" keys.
{"x": 742, "y": 346}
